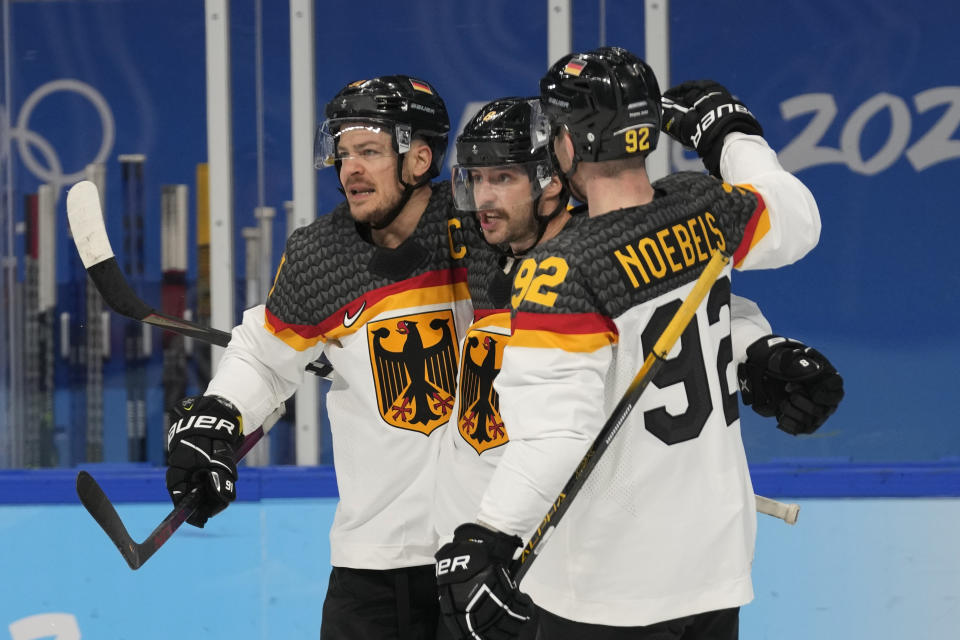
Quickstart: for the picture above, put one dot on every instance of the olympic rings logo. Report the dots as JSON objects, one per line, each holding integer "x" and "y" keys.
{"x": 28, "y": 139}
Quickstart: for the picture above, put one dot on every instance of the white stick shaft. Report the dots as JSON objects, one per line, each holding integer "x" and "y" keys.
{"x": 786, "y": 512}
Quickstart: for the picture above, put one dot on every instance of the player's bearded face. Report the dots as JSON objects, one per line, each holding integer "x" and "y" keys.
{"x": 368, "y": 173}
{"x": 504, "y": 206}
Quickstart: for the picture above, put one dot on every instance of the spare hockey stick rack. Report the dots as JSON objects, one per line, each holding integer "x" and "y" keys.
{"x": 611, "y": 427}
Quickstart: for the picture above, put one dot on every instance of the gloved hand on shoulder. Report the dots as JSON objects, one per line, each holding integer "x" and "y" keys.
{"x": 700, "y": 113}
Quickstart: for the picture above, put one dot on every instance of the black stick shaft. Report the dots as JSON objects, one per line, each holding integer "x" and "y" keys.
{"x": 136, "y": 554}
{"x": 120, "y": 296}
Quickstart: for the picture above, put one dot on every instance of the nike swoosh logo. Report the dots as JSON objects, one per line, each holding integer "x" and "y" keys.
{"x": 349, "y": 320}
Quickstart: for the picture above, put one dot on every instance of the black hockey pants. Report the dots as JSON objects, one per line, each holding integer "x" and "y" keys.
{"x": 712, "y": 625}
{"x": 393, "y": 604}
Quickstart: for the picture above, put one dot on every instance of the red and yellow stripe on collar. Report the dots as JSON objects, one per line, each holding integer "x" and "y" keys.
{"x": 444, "y": 286}
{"x": 757, "y": 227}
{"x": 575, "y": 332}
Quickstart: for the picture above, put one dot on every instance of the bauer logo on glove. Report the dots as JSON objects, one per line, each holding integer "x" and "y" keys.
{"x": 714, "y": 115}
{"x": 700, "y": 113}
{"x": 201, "y": 452}
{"x": 200, "y": 422}
{"x": 448, "y": 565}
{"x": 478, "y": 598}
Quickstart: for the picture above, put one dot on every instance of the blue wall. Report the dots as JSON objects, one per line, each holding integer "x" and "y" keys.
{"x": 863, "y": 101}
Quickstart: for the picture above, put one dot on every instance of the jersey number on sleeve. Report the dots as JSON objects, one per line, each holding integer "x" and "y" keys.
{"x": 689, "y": 369}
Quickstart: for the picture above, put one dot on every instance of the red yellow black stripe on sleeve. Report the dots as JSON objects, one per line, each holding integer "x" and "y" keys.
{"x": 444, "y": 286}
{"x": 757, "y": 227}
{"x": 574, "y": 332}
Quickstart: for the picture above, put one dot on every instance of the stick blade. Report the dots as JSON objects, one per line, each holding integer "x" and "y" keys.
{"x": 98, "y": 505}
{"x": 86, "y": 223}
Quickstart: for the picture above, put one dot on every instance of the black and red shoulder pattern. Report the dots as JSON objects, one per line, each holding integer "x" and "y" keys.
{"x": 613, "y": 262}
{"x": 329, "y": 270}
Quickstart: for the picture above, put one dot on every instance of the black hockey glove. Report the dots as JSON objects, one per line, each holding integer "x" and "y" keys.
{"x": 789, "y": 380}
{"x": 201, "y": 442}
{"x": 478, "y": 599}
{"x": 700, "y": 113}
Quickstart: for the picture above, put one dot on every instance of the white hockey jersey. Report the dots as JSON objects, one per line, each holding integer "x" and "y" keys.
{"x": 472, "y": 446}
{"x": 665, "y": 525}
{"x": 389, "y": 321}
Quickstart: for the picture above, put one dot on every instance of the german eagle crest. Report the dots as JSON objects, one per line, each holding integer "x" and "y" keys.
{"x": 414, "y": 359}
{"x": 478, "y": 419}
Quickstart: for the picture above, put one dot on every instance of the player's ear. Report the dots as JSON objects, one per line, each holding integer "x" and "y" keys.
{"x": 418, "y": 159}
{"x": 552, "y": 190}
{"x": 548, "y": 198}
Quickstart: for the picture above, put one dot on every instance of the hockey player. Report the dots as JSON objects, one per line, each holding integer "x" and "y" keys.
{"x": 373, "y": 287}
{"x": 508, "y": 198}
{"x": 505, "y": 177}
{"x": 505, "y": 184}
{"x": 660, "y": 542}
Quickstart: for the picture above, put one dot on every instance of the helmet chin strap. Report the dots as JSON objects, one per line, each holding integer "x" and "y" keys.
{"x": 408, "y": 190}
{"x": 387, "y": 220}
{"x": 566, "y": 177}
{"x": 542, "y": 223}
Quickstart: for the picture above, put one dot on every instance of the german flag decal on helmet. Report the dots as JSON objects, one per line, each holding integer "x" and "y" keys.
{"x": 574, "y": 67}
{"x": 421, "y": 86}
{"x": 414, "y": 359}
{"x": 479, "y": 421}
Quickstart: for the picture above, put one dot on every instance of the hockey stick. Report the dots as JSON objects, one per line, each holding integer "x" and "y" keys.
{"x": 786, "y": 512}
{"x": 611, "y": 427}
{"x": 135, "y": 553}
{"x": 90, "y": 236}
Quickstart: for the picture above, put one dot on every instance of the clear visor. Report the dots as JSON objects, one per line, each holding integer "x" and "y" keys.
{"x": 363, "y": 142}
{"x": 501, "y": 186}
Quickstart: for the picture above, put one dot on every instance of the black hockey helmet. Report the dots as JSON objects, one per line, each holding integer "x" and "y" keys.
{"x": 405, "y": 106}
{"x": 402, "y": 106}
{"x": 504, "y": 131}
{"x": 507, "y": 131}
{"x": 608, "y": 100}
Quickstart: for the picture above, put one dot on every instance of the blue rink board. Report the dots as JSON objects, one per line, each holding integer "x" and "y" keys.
{"x": 882, "y": 569}
{"x": 814, "y": 478}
